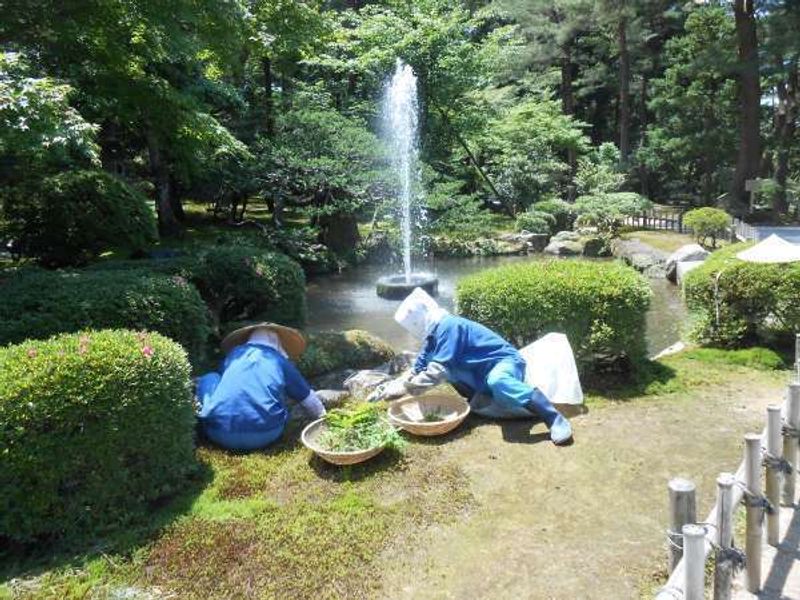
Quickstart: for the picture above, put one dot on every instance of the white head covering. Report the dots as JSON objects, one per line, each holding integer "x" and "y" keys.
{"x": 267, "y": 337}
{"x": 418, "y": 313}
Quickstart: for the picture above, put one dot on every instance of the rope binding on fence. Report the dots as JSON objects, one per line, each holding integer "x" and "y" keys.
{"x": 777, "y": 463}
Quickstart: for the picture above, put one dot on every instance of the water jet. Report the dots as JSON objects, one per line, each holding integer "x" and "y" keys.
{"x": 401, "y": 124}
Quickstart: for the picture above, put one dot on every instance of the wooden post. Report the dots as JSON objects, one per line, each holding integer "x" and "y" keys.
{"x": 790, "y": 443}
{"x": 773, "y": 487}
{"x": 797, "y": 358}
{"x": 752, "y": 479}
{"x": 694, "y": 558}
{"x": 683, "y": 511}
{"x": 723, "y": 569}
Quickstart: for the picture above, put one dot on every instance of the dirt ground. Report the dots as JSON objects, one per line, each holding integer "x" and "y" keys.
{"x": 584, "y": 521}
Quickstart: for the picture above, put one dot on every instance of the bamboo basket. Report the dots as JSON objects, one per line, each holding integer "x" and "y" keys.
{"x": 409, "y": 413}
{"x": 309, "y": 439}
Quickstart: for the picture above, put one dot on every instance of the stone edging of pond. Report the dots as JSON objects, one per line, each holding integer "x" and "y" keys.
{"x": 643, "y": 257}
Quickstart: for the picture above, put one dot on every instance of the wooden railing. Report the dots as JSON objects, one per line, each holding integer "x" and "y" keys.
{"x": 658, "y": 220}
{"x": 744, "y": 232}
{"x": 776, "y": 448}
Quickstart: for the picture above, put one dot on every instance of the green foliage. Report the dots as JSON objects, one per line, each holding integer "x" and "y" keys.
{"x": 564, "y": 212}
{"x": 598, "y": 172}
{"x": 707, "y": 223}
{"x": 332, "y": 351}
{"x": 690, "y": 145}
{"x": 248, "y": 283}
{"x": 69, "y": 218}
{"x": 762, "y": 359}
{"x": 600, "y": 306}
{"x": 524, "y": 147}
{"x": 37, "y": 304}
{"x": 737, "y": 302}
{"x": 536, "y": 221}
{"x": 40, "y": 130}
{"x": 606, "y": 211}
{"x": 94, "y": 427}
{"x": 359, "y": 427}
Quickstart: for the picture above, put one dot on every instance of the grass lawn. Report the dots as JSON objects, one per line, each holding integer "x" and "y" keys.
{"x": 491, "y": 510}
{"x": 667, "y": 241}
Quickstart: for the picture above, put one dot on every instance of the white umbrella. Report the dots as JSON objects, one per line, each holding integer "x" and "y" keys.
{"x": 774, "y": 249}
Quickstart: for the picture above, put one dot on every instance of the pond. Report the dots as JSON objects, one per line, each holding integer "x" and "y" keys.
{"x": 348, "y": 301}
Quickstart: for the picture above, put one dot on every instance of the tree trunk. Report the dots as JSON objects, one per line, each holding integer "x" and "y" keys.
{"x": 785, "y": 129}
{"x": 568, "y": 108}
{"x": 167, "y": 222}
{"x": 269, "y": 108}
{"x": 749, "y": 156}
{"x": 624, "y": 91}
{"x": 643, "y": 172}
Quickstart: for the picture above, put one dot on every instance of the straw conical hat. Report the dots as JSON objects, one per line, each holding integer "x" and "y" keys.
{"x": 292, "y": 340}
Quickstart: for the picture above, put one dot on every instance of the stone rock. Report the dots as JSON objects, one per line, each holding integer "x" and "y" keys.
{"x": 361, "y": 383}
{"x": 400, "y": 363}
{"x": 684, "y": 267}
{"x": 537, "y": 242}
{"x": 509, "y": 248}
{"x": 674, "y": 349}
{"x": 640, "y": 256}
{"x": 687, "y": 253}
{"x": 594, "y": 246}
{"x": 333, "y": 398}
{"x": 564, "y": 248}
{"x": 566, "y": 236}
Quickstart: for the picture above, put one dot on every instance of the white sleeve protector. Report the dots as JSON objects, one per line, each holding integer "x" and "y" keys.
{"x": 313, "y": 405}
{"x": 551, "y": 368}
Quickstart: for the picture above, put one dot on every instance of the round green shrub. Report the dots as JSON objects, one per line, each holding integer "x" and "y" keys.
{"x": 600, "y": 306}
{"x": 69, "y": 218}
{"x": 563, "y": 212}
{"x": 239, "y": 283}
{"x": 93, "y": 427}
{"x": 535, "y": 222}
{"x": 248, "y": 283}
{"x": 708, "y": 223}
{"x": 37, "y": 304}
{"x": 333, "y": 351}
{"x": 735, "y": 302}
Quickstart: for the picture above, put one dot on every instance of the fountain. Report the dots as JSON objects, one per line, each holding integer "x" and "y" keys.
{"x": 400, "y": 115}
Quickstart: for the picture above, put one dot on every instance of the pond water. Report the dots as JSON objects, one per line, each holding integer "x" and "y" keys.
{"x": 348, "y": 301}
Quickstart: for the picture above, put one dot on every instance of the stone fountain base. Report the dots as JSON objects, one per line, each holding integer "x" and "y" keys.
{"x": 395, "y": 287}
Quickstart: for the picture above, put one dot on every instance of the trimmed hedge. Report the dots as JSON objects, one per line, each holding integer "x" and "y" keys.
{"x": 333, "y": 351}
{"x": 69, "y": 218}
{"x": 247, "y": 283}
{"x": 707, "y": 223}
{"x": 239, "y": 283}
{"x": 93, "y": 427}
{"x": 600, "y": 306}
{"x": 563, "y": 212}
{"x": 535, "y": 222}
{"x": 735, "y": 302}
{"x": 37, "y": 304}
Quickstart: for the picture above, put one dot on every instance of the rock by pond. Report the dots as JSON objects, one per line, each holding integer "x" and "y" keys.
{"x": 687, "y": 253}
{"x": 564, "y": 248}
{"x": 642, "y": 257}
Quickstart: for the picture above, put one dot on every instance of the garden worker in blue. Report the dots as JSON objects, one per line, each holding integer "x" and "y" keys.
{"x": 471, "y": 356}
{"x": 244, "y": 408}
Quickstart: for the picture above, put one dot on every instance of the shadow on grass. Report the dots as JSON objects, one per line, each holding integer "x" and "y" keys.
{"x": 30, "y": 560}
{"x": 648, "y": 377}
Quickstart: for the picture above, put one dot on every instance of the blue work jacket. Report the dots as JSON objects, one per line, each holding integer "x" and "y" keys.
{"x": 468, "y": 350}
{"x": 250, "y": 396}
